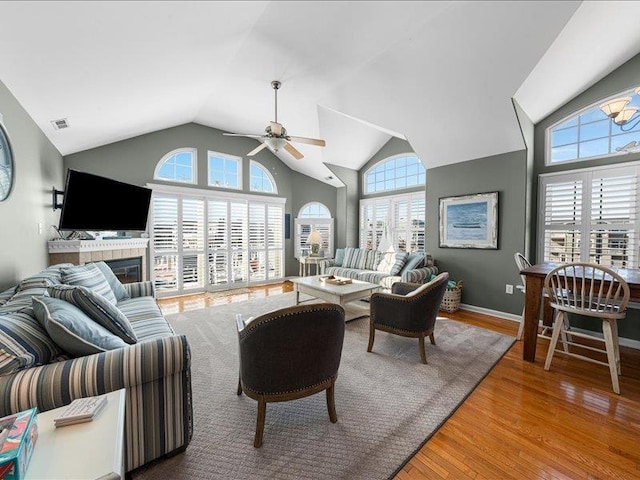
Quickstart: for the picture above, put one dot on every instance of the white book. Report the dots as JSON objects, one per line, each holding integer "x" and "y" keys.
{"x": 81, "y": 409}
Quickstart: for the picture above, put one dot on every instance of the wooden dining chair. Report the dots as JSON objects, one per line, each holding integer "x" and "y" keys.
{"x": 594, "y": 291}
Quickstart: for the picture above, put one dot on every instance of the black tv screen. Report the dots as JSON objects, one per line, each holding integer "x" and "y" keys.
{"x": 92, "y": 202}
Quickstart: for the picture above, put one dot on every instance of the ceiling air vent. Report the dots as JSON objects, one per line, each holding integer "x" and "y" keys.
{"x": 60, "y": 124}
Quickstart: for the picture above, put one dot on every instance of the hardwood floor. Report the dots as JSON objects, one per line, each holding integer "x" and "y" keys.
{"x": 522, "y": 422}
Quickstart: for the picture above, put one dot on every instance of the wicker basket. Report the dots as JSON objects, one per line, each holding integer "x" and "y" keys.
{"x": 451, "y": 301}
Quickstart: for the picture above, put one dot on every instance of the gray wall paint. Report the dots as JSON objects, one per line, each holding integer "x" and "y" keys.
{"x": 134, "y": 161}
{"x": 348, "y": 206}
{"x": 484, "y": 272}
{"x": 624, "y": 78}
{"x": 38, "y": 166}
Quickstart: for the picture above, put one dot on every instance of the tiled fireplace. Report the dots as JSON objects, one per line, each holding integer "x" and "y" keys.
{"x": 126, "y": 257}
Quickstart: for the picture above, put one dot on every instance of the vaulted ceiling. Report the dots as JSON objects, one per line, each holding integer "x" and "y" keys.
{"x": 440, "y": 74}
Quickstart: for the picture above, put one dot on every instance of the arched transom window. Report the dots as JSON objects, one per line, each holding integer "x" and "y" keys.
{"x": 313, "y": 216}
{"x": 177, "y": 166}
{"x": 395, "y": 173}
{"x": 606, "y": 128}
{"x": 261, "y": 179}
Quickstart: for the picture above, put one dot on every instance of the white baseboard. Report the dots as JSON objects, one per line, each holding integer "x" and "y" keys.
{"x": 625, "y": 342}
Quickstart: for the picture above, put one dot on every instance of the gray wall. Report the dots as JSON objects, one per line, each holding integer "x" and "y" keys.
{"x": 348, "y": 206}
{"x": 484, "y": 272}
{"x": 38, "y": 166}
{"x": 134, "y": 161}
{"x": 625, "y": 77}
{"x": 528, "y": 135}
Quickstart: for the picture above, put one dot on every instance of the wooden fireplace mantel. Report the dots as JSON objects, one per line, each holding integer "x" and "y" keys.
{"x": 80, "y": 252}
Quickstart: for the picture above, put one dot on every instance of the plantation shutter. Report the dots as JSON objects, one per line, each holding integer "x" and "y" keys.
{"x": 217, "y": 233}
{"x": 239, "y": 243}
{"x": 563, "y": 207}
{"x": 417, "y": 226}
{"x": 164, "y": 236}
{"x": 275, "y": 235}
{"x": 192, "y": 243}
{"x": 612, "y": 236}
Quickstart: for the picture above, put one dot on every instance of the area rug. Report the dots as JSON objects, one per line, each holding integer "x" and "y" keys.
{"x": 388, "y": 403}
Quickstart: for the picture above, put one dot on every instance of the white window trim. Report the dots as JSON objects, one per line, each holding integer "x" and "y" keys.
{"x": 167, "y": 156}
{"x": 231, "y": 157}
{"x": 547, "y": 133}
{"x": 268, "y": 173}
{"x": 214, "y": 194}
{"x": 387, "y": 190}
{"x": 569, "y": 175}
{"x": 314, "y": 203}
{"x": 313, "y": 221}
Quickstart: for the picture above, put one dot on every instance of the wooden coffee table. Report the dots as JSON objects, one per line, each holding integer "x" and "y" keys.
{"x": 344, "y": 295}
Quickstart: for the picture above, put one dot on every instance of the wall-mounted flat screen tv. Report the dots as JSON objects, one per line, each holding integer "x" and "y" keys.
{"x": 98, "y": 203}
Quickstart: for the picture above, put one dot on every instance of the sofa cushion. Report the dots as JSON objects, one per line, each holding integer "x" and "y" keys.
{"x": 342, "y": 272}
{"x": 96, "y": 307}
{"x": 72, "y": 330}
{"x": 22, "y": 300}
{"x": 392, "y": 262}
{"x": 361, "y": 258}
{"x": 89, "y": 276}
{"x": 7, "y": 294}
{"x": 415, "y": 260}
{"x": 146, "y": 318}
{"x": 371, "y": 276}
{"x": 49, "y": 276}
{"x": 24, "y": 343}
{"x": 117, "y": 288}
{"x": 339, "y": 258}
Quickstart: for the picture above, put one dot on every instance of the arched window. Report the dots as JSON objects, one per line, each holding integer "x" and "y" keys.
{"x": 225, "y": 171}
{"x": 261, "y": 180}
{"x": 313, "y": 216}
{"x": 596, "y": 131}
{"x": 395, "y": 173}
{"x": 178, "y": 165}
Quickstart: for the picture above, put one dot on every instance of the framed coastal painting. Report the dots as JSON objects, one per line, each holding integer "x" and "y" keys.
{"x": 469, "y": 221}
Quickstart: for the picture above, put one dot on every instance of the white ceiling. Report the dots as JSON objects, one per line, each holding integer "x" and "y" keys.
{"x": 441, "y": 74}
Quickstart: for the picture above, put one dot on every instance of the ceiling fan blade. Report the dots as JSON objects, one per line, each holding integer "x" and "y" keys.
{"x": 292, "y": 150}
{"x": 257, "y": 149}
{"x": 242, "y": 135}
{"x": 310, "y": 141}
{"x": 276, "y": 128}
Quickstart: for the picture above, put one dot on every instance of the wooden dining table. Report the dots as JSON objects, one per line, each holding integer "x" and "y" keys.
{"x": 534, "y": 277}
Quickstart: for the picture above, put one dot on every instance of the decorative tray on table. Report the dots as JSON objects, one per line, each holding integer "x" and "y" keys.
{"x": 330, "y": 279}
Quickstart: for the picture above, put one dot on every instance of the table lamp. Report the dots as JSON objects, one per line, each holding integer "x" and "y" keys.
{"x": 314, "y": 239}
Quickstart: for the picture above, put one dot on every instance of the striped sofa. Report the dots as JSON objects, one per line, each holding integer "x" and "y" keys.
{"x": 155, "y": 371}
{"x": 361, "y": 264}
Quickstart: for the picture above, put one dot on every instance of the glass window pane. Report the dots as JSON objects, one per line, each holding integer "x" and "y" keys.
{"x": 561, "y": 154}
{"x": 625, "y": 140}
{"x": 565, "y": 136}
{"x": 183, "y": 173}
{"x": 629, "y": 127}
{"x": 216, "y": 163}
{"x": 594, "y": 148}
{"x": 166, "y": 171}
{"x": 595, "y": 130}
{"x": 593, "y": 115}
{"x": 184, "y": 159}
{"x": 569, "y": 123}
{"x": 232, "y": 180}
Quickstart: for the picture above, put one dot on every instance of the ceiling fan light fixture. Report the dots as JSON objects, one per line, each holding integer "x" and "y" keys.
{"x": 613, "y": 107}
{"x": 625, "y": 115}
{"x": 275, "y": 143}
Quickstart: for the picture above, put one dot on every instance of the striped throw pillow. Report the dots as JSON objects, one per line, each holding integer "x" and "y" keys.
{"x": 96, "y": 307}
{"x": 117, "y": 288}
{"x": 355, "y": 258}
{"x": 24, "y": 343}
{"x": 89, "y": 276}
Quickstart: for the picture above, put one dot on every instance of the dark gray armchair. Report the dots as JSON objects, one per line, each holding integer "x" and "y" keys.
{"x": 289, "y": 354}
{"x": 410, "y": 310}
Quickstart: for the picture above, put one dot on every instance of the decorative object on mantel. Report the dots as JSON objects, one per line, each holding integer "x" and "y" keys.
{"x": 6, "y": 164}
{"x": 469, "y": 221}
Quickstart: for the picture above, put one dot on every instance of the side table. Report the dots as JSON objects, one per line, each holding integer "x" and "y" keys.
{"x": 88, "y": 450}
{"x": 305, "y": 262}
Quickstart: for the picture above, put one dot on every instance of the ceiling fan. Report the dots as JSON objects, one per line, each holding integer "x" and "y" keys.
{"x": 276, "y": 136}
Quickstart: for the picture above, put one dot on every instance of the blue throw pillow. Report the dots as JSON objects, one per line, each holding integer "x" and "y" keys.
{"x": 97, "y": 308}
{"x": 118, "y": 290}
{"x": 71, "y": 329}
{"x": 337, "y": 261}
{"x": 91, "y": 277}
{"x": 414, "y": 261}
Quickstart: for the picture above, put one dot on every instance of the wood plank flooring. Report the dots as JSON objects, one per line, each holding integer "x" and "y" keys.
{"x": 521, "y": 422}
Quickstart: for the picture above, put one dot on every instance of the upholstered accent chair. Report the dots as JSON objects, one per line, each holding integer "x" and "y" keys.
{"x": 289, "y": 354}
{"x": 410, "y": 310}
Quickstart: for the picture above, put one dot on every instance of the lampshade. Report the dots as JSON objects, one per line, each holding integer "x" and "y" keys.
{"x": 625, "y": 115}
{"x": 275, "y": 143}
{"x": 314, "y": 238}
{"x": 613, "y": 107}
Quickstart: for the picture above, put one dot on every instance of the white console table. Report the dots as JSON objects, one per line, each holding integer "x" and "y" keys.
{"x": 84, "y": 451}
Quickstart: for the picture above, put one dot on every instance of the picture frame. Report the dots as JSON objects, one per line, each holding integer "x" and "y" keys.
{"x": 469, "y": 221}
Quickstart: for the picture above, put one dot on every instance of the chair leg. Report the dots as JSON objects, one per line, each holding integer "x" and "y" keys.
{"x": 611, "y": 354}
{"x": 372, "y": 336}
{"x": 520, "y": 327}
{"x": 616, "y": 343}
{"x": 563, "y": 337}
{"x": 239, "y": 392}
{"x": 423, "y": 354}
{"x": 557, "y": 326}
{"x": 262, "y": 413}
{"x": 432, "y": 339}
{"x": 331, "y": 403}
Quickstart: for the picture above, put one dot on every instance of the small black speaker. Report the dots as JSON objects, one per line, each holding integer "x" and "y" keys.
{"x": 287, "y": 226}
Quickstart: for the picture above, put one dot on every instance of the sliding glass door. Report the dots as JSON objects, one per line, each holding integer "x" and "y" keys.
{"x": 207, "y": 242}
